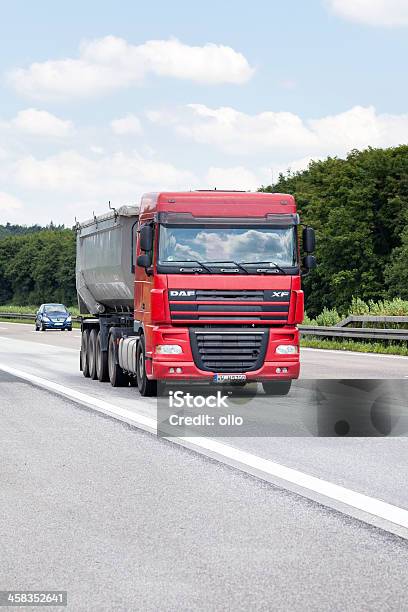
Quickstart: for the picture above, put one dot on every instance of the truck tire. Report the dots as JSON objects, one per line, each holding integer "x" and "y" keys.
{"x": 92, "y": 353}
{"x": 117, "y": 376}
{"x": 84, "y": 353}
{"x": 147, "y": 388}
{"x": 102, "y": 372}
{"x": 277, "y": 387}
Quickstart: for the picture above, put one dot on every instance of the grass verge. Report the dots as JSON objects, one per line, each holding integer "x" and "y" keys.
{"x": 31, "y": 309}
{"x": 361, "y": 347}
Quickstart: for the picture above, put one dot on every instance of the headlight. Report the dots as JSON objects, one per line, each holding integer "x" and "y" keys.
{"x": 45, "y": 318}
{"x": 168, "y": 349}
{"x": 68, "y": 319}
{"x": 286, "y": 349}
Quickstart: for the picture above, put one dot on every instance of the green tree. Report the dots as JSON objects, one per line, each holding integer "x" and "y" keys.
{"x": 396, "y": 272}
{"x": 358, "y": 206}
{"x": 38, "y": 267}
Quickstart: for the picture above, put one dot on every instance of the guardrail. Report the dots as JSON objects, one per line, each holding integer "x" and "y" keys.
{"x": 371, "y": 319}
{"x": 362, "y": 333}
{"x": 338, "y": 331}
{"x": 341, "y": 330}
{"x": 28, "y": 317}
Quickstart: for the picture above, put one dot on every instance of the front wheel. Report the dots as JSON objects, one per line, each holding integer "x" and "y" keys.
{"x": 277, "y": 387}
{"x": 147, "y": 388}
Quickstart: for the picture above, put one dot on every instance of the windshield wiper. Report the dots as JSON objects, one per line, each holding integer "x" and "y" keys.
{"x": 229, "y": 261}
{"x": 194, "y": 261}
{"x": 270, "y": 263}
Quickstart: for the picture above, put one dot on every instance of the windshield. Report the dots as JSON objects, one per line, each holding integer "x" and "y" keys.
{"x": 228, "y": 244}
{"x": 55, "y": 308}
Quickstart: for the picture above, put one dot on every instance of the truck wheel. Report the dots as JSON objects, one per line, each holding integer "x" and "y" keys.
{"x": 116, "y": 375}
{"x": 84, "y": 353}
{"x": 101, "y": 358}
{"x": 147, "y": 388}
{"x": 92, "y": 353}
{"x": 277, "y": 387}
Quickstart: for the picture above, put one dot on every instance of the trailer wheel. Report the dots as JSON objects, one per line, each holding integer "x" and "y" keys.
{"x": 147, "y": 388}
{"x": 116, "y": 375}
{"x": 92, "y": 354}
{"x": 101, "y": 358}
{"x": 84, "y": 353}
{"x": 277, "y": 387}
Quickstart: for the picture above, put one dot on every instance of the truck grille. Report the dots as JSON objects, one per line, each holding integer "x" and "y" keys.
{"x": 225, "y": 351}
{"x": 223, "y": 306}
{"x": 228, "y": 294}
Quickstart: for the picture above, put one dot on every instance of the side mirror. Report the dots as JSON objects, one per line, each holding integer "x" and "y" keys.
{"x": 144, "y": 261}
{"x": 146, "y": 238}
{"x": 309, "y": 239}
{"x": 309, "y": 262}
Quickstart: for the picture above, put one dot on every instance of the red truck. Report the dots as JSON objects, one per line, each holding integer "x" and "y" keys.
{"x": 199, "y": 285}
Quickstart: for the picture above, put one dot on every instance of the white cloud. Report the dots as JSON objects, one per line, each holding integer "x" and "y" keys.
{"x": 97, "y": 150}
{"x": 389, "y": 13}
{"x": 111, "y": 63}
{"x": 237, "y": 177}
{"x": 126, "y": 125}
{"x": 235, "y": 132}
{"x": 9, "y": 202}
{"x": 41, "y": 123}
{"x": 71, "y": 184}
{"x": 285, "y": 135}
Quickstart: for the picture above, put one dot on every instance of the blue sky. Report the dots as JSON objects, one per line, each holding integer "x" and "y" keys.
{"x": 91, "y": 110}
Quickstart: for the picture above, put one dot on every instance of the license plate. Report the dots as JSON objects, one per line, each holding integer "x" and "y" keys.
{"x": 229, "y": 377}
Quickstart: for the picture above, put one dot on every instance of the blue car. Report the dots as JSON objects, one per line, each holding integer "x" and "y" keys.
{"x": 53, "y": 316}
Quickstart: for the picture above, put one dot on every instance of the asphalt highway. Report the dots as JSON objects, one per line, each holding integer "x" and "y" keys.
{"x": 315, "y": 363}
{"x": 125, "y": 520}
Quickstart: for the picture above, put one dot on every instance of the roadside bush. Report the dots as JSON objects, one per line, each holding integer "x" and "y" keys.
{"x": 328, "y": 317}
{"x": 358, "y": 307}
{"x": 391, "y": 308}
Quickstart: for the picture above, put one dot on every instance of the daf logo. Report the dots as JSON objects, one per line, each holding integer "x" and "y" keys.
{"x": 280, "y": 293}
{"x": 182, "y": 293}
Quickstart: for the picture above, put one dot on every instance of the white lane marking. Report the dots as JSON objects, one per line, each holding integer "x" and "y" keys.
{"x": 369, "y": 509}
{"x": 105, "y": 407}
{"x": 357, "y": 353}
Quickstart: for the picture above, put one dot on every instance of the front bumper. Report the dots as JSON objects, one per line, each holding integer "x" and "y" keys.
{"x": 54, "y": 325}
{"x": 159, "y": 367}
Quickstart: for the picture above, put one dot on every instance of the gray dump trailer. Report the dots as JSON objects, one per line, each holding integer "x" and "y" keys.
{"x": 105, "y": 272}
{"x": 105, "y": 262}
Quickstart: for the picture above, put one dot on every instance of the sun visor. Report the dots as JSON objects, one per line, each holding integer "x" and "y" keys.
{"x": 186, "y": 218}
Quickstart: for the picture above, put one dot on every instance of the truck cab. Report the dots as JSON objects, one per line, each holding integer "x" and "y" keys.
{"x": 217, "y": 290}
